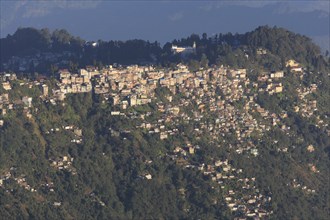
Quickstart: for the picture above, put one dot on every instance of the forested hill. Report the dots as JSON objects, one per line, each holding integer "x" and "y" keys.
{"x": 247, "y": 138}
{"x": 221, "y": 48}
{"x": 30, "y": 41}
{"x": 284, "y": 43}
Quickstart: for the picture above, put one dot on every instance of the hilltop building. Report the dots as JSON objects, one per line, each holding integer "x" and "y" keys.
{"x": 184, "y": 50}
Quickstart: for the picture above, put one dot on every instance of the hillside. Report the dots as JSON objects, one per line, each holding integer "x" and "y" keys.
{"x": 238, "y": 129}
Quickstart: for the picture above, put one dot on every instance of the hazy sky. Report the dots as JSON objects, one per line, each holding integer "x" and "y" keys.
{"x": 165, "y": 20}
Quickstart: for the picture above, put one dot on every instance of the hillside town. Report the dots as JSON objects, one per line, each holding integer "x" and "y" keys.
{"x": 219, "y": 101}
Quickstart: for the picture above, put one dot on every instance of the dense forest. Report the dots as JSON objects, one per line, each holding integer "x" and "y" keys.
{"x": 230, "y": 49}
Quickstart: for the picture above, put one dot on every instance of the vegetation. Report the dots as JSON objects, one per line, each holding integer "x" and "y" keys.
{"x": 108, "y": 177}
{"x": 239, "y": 50}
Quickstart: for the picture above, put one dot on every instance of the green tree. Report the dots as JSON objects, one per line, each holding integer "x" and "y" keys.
{"x": 204, "y": 61}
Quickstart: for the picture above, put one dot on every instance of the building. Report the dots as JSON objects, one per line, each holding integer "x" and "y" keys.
{"x": 6, "y": 86}
{"x": 44, "y": 90}
{"x": 27, "y": 101}
{"x": 184, "y": 50}
{"x": 278, "y": 74}
{"x": 291, "y": 63}
{"x": 133, "y": 100}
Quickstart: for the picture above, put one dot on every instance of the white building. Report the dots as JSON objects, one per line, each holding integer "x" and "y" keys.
{"x": 185, "y": 50}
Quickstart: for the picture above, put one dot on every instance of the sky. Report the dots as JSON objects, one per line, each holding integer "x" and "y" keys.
{"x": 166, "y": 20}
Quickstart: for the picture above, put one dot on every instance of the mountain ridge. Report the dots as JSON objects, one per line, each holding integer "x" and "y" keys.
{"x": 221, "y": 47}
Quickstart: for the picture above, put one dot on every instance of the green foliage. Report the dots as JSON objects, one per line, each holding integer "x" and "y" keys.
{"x": 283, "y": 43}
{"x": 114, "y": 157}
{"x": 204, "y": 61}
{"x": 194, "y": 65}
{"x": 237, "y": 50}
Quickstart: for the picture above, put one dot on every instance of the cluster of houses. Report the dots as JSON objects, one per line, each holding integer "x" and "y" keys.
{"x": 294, "y": 67}
{"x": 241, "y": 195}
{"x": 28, "y": 63}
{"x": 10, "y": 177}
{"x": 73, "y": 83}
{"x": 64, "y": 163}
{"x": 217, "y": 101}
{"x": 223, "y": 91}
{"x": 5, "y": 103}
{"x": 8, "y": 104}
{"x": 77, "y": 132}
{"x": 201, "y": 92}
{"x": 48, "y": 185}
{"x": 270, "y": 82}
{"x": 306, "y": 106}
{"x": 300, "y": 186}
